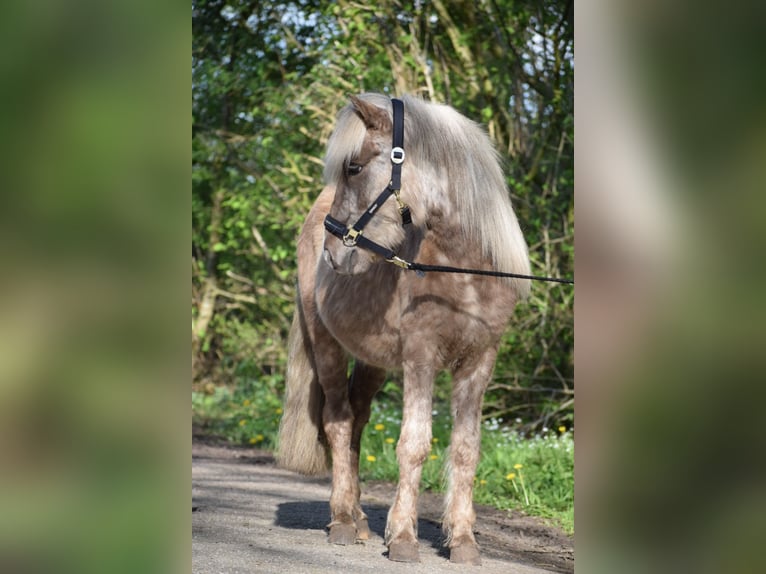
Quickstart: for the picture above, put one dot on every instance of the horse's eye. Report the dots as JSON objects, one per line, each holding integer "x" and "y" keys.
{"x": 354, "y": 169}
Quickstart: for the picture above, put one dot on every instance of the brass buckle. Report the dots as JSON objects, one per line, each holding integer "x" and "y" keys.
{"x": 402, "y": 205}
{"x": 399, "y": 262}
{"x": 350, "y": 238}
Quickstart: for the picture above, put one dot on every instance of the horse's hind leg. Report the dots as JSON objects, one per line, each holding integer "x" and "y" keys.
{"x": 469, "y": 383}
{"x": 365, "y": 382}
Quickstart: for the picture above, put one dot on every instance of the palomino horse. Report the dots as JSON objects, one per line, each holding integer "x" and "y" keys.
{"x": 354, "y": 304}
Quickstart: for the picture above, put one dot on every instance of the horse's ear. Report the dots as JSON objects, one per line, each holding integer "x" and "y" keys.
{"x": 372, "y": 116}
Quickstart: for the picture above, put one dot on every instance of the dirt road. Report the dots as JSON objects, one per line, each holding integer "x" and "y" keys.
{"x": 250, "y": 517}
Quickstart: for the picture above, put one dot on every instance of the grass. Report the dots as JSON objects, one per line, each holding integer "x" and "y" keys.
{"x": 248, "y": 415}
{"x": 532, "y": 474}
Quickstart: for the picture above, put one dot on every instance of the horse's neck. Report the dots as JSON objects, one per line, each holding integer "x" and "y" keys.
{"x": 444, "y": 242}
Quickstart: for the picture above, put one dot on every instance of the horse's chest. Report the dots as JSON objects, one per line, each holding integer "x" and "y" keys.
{"x": 364, "y": 319}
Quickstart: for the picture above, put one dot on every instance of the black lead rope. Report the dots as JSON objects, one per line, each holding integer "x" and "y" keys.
{"x": 353, "y": 237}
{"x": 421, "y": 269}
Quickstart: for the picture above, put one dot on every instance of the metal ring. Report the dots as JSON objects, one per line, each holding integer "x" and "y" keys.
{"x": 397, "y": 155}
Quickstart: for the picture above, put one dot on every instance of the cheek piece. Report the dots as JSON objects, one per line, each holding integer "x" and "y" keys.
{"x": 353, "y": 236}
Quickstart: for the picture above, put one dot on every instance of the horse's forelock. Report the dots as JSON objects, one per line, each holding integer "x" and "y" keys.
{"x": 347, "y": 138}
{"x": 345, "y": 142}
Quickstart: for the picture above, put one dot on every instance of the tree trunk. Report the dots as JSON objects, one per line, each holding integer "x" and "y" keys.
{"x": 206, "y": 308}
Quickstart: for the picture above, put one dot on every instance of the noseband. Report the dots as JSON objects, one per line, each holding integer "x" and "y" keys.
{"x": 353, "y": 237}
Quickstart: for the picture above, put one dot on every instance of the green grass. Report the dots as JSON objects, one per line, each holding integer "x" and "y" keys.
{"x": 248, "y": 415}
{"x": 543, "y": 484}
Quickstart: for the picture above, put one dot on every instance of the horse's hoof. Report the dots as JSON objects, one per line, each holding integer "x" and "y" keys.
{"x": 404, "y": 552}
{"x": 343, "y": 534}
{"x": 362, "y": 529}
{"x": 465, "y": 554}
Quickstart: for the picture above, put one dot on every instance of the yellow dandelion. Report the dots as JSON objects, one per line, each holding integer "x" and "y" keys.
{"x": 517, "y": 466}
{"x": 246, "y": 403}
{"x": 380, "y": 427}
{"x": 434, "y": 456}
{"x": 242, "y": 423}
{"x": 389, "y": 440}
{"x": 278, "y": 411}
{"x": 435, "y": 440}
{"x": 371, "y": 458}
{"x": 562, "y": 429}
{"x": 482, "y": 482}
{"x": 510, "y": 476}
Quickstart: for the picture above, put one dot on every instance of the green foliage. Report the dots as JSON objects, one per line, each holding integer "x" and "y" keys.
{"x": 268, "y": 80}
{"x": 248, "y": 415}
{"x": 535, "y": 474}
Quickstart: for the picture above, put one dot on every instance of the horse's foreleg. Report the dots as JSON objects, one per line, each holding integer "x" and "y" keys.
{"x": 365, "y": 382}
{"x": 469, "y": 383}
{"x": 337, "y": 418}
{"x": 411, "y": 451}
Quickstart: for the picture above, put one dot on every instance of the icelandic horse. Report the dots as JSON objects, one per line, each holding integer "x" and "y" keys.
{"x": 355, "y": 307}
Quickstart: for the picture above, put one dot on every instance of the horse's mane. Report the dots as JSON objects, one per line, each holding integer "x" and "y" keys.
{"x": 460, "y": 151}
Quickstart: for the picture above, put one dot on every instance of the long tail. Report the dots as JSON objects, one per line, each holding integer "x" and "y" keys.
{"x": 301, "y": 446}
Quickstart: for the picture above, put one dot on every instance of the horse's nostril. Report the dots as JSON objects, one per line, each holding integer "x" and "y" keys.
{"x": 328, "y": 258}
{"x": 343, "y": 264}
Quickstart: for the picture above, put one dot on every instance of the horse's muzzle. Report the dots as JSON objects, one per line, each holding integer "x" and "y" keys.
{"x": 343, "y": 265}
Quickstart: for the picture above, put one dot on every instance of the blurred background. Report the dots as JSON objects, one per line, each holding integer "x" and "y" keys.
{"x": 94, "y": 224}
{"x": 670, "y": 441}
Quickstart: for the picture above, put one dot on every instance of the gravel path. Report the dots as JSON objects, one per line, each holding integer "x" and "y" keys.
{"x": 249, "y": 516}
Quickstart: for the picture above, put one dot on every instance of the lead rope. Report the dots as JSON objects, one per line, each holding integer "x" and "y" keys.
{"x": 421, "y": 269}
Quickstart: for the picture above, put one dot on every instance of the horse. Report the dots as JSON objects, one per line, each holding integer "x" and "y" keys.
{"x": 357, "y": 313}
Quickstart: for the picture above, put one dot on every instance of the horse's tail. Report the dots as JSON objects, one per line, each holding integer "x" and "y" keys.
{"x": 301, "y": 445}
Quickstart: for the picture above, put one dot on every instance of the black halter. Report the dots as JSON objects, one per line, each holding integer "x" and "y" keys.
{"x": 353, "y": 237}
